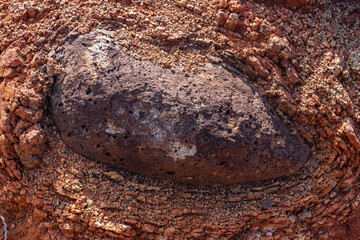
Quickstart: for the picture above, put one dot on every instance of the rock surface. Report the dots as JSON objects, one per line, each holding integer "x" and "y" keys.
{"x": 206, "y": 129}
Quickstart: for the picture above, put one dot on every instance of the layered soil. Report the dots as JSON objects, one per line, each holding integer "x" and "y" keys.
{"x": 304, "y": 61}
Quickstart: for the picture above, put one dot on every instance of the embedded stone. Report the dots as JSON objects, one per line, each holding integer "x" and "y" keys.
{"x": 33, "y": 140}
{"x": 354, "y": 61}
{"x": 208, "y": 128}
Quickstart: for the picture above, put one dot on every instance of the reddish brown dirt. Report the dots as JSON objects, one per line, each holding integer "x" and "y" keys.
{"x": 305, "y": 62}
{"x": 350, "y": 230}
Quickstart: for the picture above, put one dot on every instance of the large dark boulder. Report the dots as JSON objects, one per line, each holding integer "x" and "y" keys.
{"x": 204, "y": 129}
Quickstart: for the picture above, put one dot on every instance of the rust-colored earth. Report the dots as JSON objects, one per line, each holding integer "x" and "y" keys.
{"x": 302, "y": 56}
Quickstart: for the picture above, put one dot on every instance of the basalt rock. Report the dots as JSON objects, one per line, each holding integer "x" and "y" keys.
{"x": 203, "y": 129}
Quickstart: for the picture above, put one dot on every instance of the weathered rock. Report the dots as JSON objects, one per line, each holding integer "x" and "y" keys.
{"x": 235, "y": 6}
{"x": 232, "y": 21}
{"x": 221, "y": 18}
{"x": 8, "y": 60}
{"x": 6, "y": 147}
{"x": 204, "y": 129}
{"x": 28, "y": 114}
{"x": 7, "y": 72}
{"x": 33, "y": 141}
{"x": 354, "y": 61}
{"x": 27, "y": 159}
{"x": 11, "y": 58}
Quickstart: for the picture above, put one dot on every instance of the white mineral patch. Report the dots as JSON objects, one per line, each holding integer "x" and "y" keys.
{"x": 158, "y": 133}
{"x": 112, "y": 129}
{"x": 96, "y": 52}
{"x": 179, "y": 150}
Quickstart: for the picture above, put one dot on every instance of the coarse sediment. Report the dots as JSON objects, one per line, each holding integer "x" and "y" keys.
{"x": 302, "y": 61}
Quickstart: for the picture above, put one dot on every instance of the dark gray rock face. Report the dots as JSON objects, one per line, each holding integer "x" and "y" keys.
{"x": 206, "y": 129}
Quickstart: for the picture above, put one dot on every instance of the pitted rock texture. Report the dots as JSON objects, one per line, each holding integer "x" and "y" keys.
{"x": 205, "y": 129}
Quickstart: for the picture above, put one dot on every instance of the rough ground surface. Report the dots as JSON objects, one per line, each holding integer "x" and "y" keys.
{"x": 304, "y": 61}
{"x": 207, "y": 128}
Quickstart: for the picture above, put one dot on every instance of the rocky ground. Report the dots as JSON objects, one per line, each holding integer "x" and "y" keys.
{"x": 303, "y": 56}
